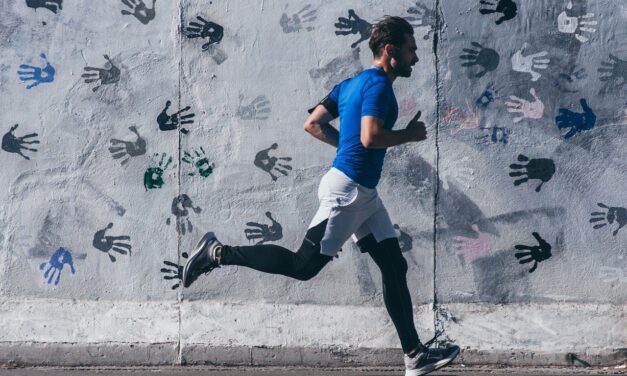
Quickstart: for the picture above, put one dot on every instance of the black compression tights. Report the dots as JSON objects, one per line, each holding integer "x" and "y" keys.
{"x": 308, "y": 261}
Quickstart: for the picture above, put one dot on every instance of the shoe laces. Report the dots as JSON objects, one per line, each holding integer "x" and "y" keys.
{"x": 425, "y": 346}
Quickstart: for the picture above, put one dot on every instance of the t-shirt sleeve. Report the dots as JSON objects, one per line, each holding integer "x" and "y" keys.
{"x": 375, "y": 98}
{"x": 330, "y": 102}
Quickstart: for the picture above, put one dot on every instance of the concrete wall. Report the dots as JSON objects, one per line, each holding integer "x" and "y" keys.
{"x": 92, "y": 240}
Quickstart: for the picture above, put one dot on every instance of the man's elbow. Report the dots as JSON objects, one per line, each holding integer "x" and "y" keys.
{"x": 367, "y": 141}
{"x": 311, "y": 127}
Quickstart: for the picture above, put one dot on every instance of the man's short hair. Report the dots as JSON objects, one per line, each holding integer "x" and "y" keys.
{"x": 390, "y": 30}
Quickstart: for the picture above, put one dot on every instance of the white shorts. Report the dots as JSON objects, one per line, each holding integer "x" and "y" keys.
{"x": 351, "y": 209}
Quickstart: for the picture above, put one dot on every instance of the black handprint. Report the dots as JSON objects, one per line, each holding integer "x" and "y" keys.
{"x": 51, "y": 5}
{"x": 205, "y": 29}
{"x": 353, "y": 25}
{"x": 566, "y": 82}
{"x": 256, "y": 110}
{"x": 537, "y": 253}
{"x": 107, "y": 243}
{"x": 110, "y": 74}
{"x": 613, "y": 214}
{"x": 180, "y": 204}
{"x": 174, "y": 271}
{"x": 542, "y": 169}
{"x": 139, "y": 10}
{"x": 486, "y": 58}
{"x": 129, "y": 149}
{"x": 267, "y": 163}
{"x": 424, "y": 17}
{"x": 577, "y": 122}
{"x": 264, "y": 233}
{"x": 298, "y": 20}
{"x": 615, "y": 74}
{"x": 14, "y": 144}
{"x": 506, "y": 7}
{"x": 171, "y": 122}
{"x": 404, "y": 240}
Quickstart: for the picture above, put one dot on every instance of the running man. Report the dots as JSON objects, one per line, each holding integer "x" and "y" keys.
{"x": 349, "y": 203}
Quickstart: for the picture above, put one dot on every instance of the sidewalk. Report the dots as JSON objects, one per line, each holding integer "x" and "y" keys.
{"x": 276, "y": 371}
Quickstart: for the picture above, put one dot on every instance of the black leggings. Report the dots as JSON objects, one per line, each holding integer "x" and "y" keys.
{"x": 308, "y": 261}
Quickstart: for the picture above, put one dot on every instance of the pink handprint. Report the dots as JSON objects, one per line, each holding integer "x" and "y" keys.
{"x": 473, "y": 248}
{"x": 465, "y": 119}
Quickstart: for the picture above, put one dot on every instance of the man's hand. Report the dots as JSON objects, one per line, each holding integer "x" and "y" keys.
{"x": 416, "y": 129}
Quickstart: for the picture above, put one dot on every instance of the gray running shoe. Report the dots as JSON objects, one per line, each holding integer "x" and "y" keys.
{"x": 202, "y": 259}
{"x": 428, "y": 360}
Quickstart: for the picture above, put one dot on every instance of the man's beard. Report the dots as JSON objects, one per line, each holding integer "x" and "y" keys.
{"x": 402, "y": 70}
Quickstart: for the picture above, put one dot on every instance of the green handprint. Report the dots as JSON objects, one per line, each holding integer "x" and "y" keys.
{"x": 153, "y": 177}
{"x": 200, "y": 161}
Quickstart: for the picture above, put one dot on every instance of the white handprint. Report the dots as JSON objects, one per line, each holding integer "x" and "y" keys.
{"x": 527, "y": 64}
{"x": 527, "y": 109}
{"x": 611, "y": 274}
{"x": 458, "y": 171}
{"x": 577, "y": 24}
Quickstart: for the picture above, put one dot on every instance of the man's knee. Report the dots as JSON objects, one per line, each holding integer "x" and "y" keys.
{"x": 393, "y": 261}
{"x": 312, "y": 268}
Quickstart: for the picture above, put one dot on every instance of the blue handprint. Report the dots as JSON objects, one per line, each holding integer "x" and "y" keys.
{"x": 577, "y": 122}
{"x": 36, "y": 74}
{"x": 59, "y": 258}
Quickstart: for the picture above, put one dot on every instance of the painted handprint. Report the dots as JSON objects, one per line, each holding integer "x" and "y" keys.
{"x": 264, "y": 161}
{"x": 55, "y": 265}
{"x": 536, "y": 253}
{"x": 609, "y": 216}
{"x": 128, "y": 149}
{"x": 458, "y": 171}
{"x": 577, "y": 122}
{"x": 464, "y": 119}
{"x": 507, "y": 8}
{"x": 261, "y": 233}
{"x": 210, "y": 31}
{"x": 180, "y": 204}
{"x": 614, "y": 75}
{"x": 256, "y": 110}
{"x": 174, "y": 271}
{"x": 106, "y": 244}
{"x": 36, "y": 74}
{"x": 52, "y": 5}
{"x": 338, "y": 69}
{"x": 525, "y": 108}
{"x": 353, "y": 25}
{"x": 576, "y": 24}
{"x": 567, "y": 82}
{"x": 473, "y": 248}
{"x": 489, "y": 95}
{"x": 541, "y": 169}
{"x": 530, "y": 63}
{"x": 139, "y": 10}
{"x": 13, "y": 144}
{"x": 499, "y": 134}
{"x": 108, "y": 75}
{"x": 153, "y": 177}
{"x": 200, "y": 162}
{"x": 486, "y": 58}
{"x": 404, "y": 240}
{"x": 299, "y": 20}
{"x": 421, "y": 15}
{"x": 171, "y": 122}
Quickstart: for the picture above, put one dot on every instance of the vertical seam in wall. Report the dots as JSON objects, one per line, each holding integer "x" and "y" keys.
{"x": 179, "y": 27}
{"x": 436, "y": 36}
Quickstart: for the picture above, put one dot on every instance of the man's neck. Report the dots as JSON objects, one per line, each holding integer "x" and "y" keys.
{"x": 386, "y": 68}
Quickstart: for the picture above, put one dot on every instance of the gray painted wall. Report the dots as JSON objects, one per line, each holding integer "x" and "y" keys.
{"x": 501, "y": 94}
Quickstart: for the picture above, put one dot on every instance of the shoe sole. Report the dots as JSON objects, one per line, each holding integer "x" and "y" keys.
{"x": 195, "y": 253}
{"x": 433, "y": 367}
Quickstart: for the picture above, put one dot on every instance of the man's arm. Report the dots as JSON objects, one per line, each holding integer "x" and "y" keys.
{"x": 374, "y": 136}
{"x": 317, "y": 124}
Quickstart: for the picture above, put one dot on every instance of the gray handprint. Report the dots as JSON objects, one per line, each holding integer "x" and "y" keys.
{"x": 128, "y": 149}
{"x": 262, "y": 233}
{"x": 256, "y": 110}
{"x": 139, "y": 10}
{"x": 13, "y": 144}
{"x": 611, "y": 215}
{"x": 51, "y": 5}
{"x": 106, "y": 243}
{"x": 267, "y": 163}
{"x": 299, "y": 20}
{"x": 338, "y": 69}
{"x": 180, "y": 204}
{"x": 108, "y": 75}
{"x": 486, "y": 58}
{"x": 404, "y": 240}
{"x": 353, "y": 25}
{"x": 422, "y": 16}
{"x": 614, "y": 75}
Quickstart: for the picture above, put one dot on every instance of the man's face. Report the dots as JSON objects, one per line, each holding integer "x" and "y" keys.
{"x": 405, "y": 57}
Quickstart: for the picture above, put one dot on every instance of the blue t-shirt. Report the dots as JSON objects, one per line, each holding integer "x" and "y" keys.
{"x": 367, "y": 94}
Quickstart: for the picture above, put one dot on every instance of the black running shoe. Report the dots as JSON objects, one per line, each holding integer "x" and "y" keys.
{"x": 428, "y": 360}
{"x": 202, "y": 259}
